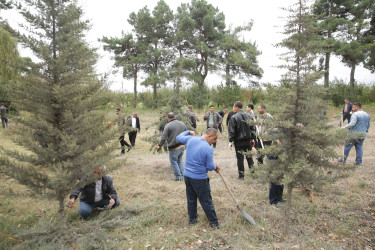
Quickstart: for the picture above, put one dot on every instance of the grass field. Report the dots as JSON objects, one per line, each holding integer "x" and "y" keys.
{"x": 342, "y": 216}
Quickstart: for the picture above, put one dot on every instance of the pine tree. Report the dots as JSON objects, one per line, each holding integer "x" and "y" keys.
{"x": 203, "y": 27}
{"x": 60, "y": 128}
{"x": 332, "y": 15}
{"x": 128, "y": 56}
{"x": 354, "y": 43}
{"x": 239, "y": 58}
{"x": 153, "y": 32}
{"x": 306, "y": 148}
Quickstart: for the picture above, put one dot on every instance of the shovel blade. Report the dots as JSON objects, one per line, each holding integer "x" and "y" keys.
{"x": 246, "y": 215}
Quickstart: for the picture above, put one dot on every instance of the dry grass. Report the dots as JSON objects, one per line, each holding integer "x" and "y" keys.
{"x": 342, "y": 216}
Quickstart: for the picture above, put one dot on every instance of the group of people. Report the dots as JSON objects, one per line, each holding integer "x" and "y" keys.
{"x": 243, "y": 135}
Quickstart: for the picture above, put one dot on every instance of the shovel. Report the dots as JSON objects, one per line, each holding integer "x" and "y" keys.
{"x": 244, "y": 214}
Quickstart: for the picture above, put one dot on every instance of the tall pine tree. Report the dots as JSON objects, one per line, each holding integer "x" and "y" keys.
{"x": 304, "y": 143}
{"x": 60, "y": 128}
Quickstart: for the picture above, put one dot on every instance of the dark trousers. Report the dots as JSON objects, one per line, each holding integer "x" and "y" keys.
{"x": 213, "y": 144}
{"x": 276, "y": 193}
{"x": 200, "y": 189}
{"x": 259, "y": 145}
{"x": 123, "y": 143}
{"x": 132, "y": 136}
{"x": 240, "y": 149}
{"x": 4, "y": 121}
{"x": 85, "y": 208}
{"x": 220, "y": 128}
{"x": 346, "y": 116}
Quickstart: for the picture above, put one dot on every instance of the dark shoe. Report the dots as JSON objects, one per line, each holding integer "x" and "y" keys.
{"x": 195, "y": 221}
{"x": 176, "y": 179}
{"x": 282, "y": 200}
{"x": 278, "y": 205}
{"x": 122, "y": 152}
{"x": 240, "y": 178}
{"x": 214, "y": 225}
{"x": 342, "y": 160}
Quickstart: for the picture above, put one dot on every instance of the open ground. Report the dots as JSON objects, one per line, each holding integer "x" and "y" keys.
{"x": 342, "y": 216}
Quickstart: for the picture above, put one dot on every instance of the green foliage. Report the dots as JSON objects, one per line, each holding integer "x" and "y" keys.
{"x": 239, "y": 58}
{"x": 306, "y": 152}
{"x": 9, "y": 66}
{"x": 339, "y": 91}
{"x": 81, "y": 235}
{"x": 226, "y": 95}
{"x": 60, "y": 133}
{"x": 153, "y": 32}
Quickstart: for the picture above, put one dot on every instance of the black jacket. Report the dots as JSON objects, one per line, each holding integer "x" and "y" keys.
{"x": 88, "y": 191}
{"x": 240, "y": 131}
{"x": 137, "y": 123}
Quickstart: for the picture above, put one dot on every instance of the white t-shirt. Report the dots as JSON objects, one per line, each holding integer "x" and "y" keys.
{"x": 98, "y": 191}
{"x": 134, "y": 122}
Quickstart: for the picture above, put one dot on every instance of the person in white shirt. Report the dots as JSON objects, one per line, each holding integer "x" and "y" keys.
{"x": 135, "y": 127}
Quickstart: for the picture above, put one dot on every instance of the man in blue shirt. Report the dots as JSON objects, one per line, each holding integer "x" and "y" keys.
{"x": 199, "y": 160}
{"x": 358, "y": 126}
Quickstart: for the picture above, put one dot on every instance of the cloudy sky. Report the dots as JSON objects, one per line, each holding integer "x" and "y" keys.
{"x": 109, "y": 18}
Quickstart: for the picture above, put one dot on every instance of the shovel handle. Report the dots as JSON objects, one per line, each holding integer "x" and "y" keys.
{"x": 226, "y": 185}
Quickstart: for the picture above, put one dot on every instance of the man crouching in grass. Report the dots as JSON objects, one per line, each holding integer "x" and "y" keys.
{"x": 199, "y": 160}
{"x": 100, "y": 193}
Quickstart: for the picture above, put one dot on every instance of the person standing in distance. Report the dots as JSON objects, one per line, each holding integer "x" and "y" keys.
{"x": 135, "y": 126}
{"x": 347, "y": 111}
{"x": 213, "y": 119}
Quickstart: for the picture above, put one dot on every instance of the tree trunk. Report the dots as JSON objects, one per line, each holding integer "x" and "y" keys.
{"x": 328, "y": 54}
{"x": 135, "y": 91}
{"x": 288, "y": 208}
{"x": 62, "y": 215}
{"x": 154, "y": 86}
{"x": 227, "y": 76}
{"x": 352, "y": 72}
{"x": 326, "y": 70}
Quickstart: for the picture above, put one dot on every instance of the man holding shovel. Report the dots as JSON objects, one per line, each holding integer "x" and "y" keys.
{"x": 199, "y": 160}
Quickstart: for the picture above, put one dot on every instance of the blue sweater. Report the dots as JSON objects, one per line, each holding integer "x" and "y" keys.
{"x": 199, "y": 156}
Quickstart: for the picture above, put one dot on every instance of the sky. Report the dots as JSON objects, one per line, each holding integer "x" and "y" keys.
{"x": 109, "y": 18}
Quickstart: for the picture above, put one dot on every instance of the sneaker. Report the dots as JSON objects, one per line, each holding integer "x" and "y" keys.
{"x": 240, "y": 178}
{"x": 176, "y": 179}
{"x": 342, "y": 160}
{"x": 129, "y": 148}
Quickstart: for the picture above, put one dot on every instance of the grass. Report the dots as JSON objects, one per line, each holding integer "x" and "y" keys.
{"x": 341, "y": 216}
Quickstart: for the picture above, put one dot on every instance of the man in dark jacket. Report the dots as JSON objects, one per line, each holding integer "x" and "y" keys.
{"x": 222, "y": 114}
{"x": 135, "y": 127}
{"x": 176, "y": 149}
{"x": 191, "y": 116}
{"x": 241, "y": 133}
{"x": 100, "y": 193}
{"x": 347, "y": 111}
{"x": 3, "y": 114}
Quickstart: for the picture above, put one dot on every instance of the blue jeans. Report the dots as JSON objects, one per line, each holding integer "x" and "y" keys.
{"x": 358, "y": 150}
{"x": 85, "y": 208}
{"x": 200, "y": 189}
{"x": 175, "y": 156}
